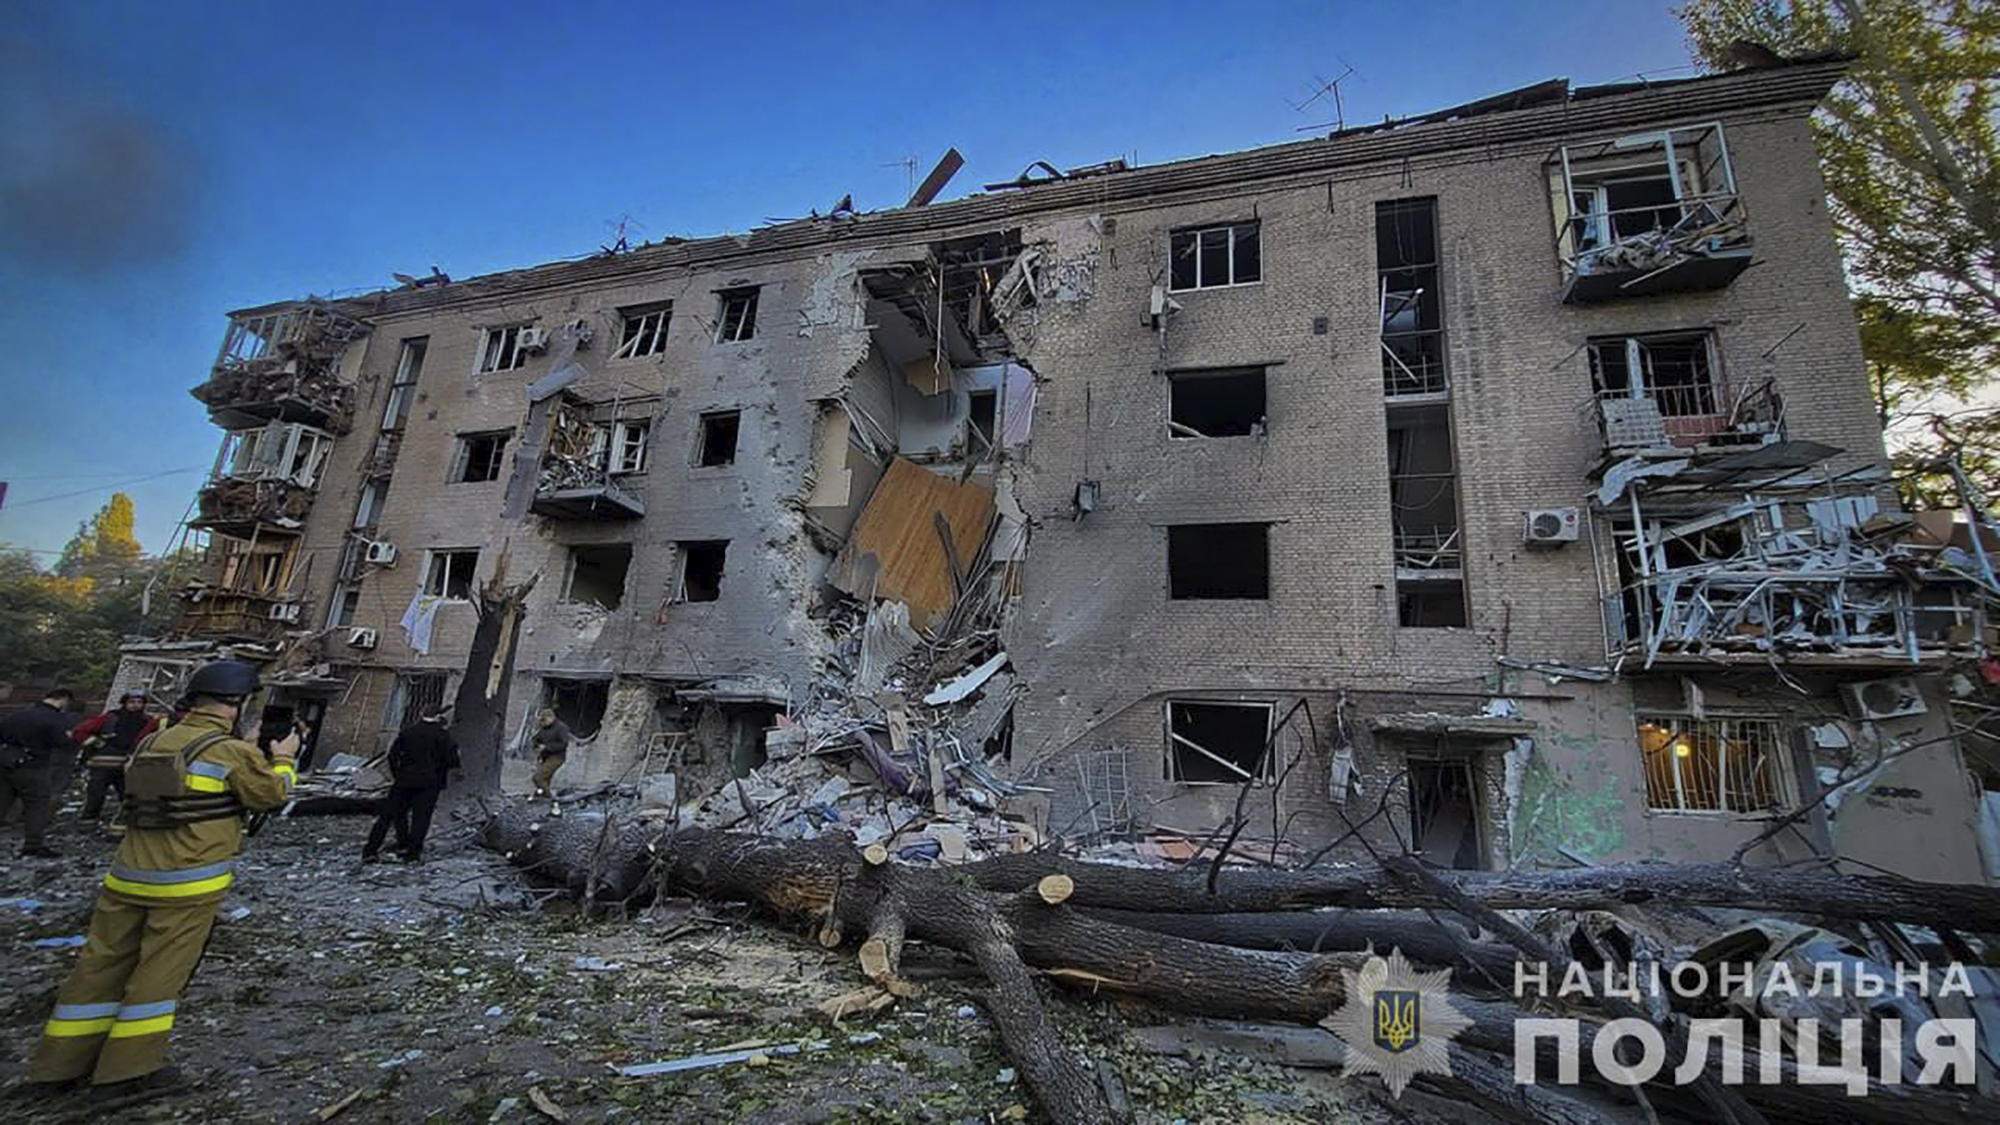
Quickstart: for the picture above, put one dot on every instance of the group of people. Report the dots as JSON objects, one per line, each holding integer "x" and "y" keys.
{"x": 184, "y": 788}
{"x": 36, "y": 744}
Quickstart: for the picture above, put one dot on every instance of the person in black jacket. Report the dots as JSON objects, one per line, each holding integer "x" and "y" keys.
{"x": 423, "y": 754}
{"x": 31, "y": 740}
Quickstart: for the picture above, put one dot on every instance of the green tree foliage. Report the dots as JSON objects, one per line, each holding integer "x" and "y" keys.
{"x": 66, "y": 625}
{"x": 105, "y": 540}
{"x": 1908, "y": 147}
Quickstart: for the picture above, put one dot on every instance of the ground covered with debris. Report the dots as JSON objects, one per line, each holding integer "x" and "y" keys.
{"x": 455, "y": 991}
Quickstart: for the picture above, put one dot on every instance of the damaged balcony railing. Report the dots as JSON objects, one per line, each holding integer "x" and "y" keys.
{"x": 1648, "y": 213}
{"x": 283, "y": 366}
{"x": 1428, "y": 554}
{"x": 575, "y": 481}
{"x": 236, "y": 507}
{"x": 1687, "y": 416}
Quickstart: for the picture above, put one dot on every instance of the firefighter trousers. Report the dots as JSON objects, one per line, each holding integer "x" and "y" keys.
{"x": 113, "y": 1014}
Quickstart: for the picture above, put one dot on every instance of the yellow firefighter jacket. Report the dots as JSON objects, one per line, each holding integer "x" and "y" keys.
{"x": 194, "y": 863}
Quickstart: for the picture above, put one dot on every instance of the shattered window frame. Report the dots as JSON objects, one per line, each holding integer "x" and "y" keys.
{"x": 368, "y": 504}
{"x": 468, "y": 444}
{"x": 1186, "y": 386}
{"x": 736, "y": 314}
{"x": 1229, "y": 580}
{"x": 706, "y": 424}
{"x": 500, "y": 350}
{"x": 451, "y": 569}
{"x": 629, "y": 445}
{"x": 585, "y": 556}
{"x": 1702, "y": 396}
{"x": 643, "y": 330}
{"x": 1191, "y": 250}
{"x": 687, "y": 549}
{"x": 403, "y": 385}
{"x": 1727, "y": 765}
{"x": 1263, "y": 769}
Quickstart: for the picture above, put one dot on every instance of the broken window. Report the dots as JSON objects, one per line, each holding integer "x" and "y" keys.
{"x": 578, "y": 704}
{"x": 982, "y": 411}
{"x": 479, "y": 456}
{"x": 450, "y": 574}
{"x": 645, "y": 330}
{"x": 500, "y": 349}
{"x": 1219, "y": 560}
{"x": 1212, "y": 257}
{"x": 738, "y": 320}
{"x": 263, "y": 567}
{"x": 1444, "y": 811}
{"x": 1412, "y": 305}
{"x": 717, "y": 444}
{"x": 1648, "y": 203}
{"x": 628, "y": 446}
{"x": 403, "y": 388}
{"x": 1218, "y": 743}
{"x": 701, "y": 570}
{"x": 369, "y": 508}
{"x": 1423, "y": 514}
{"x": 1226, "y": 403}
{"x": 1675, "y": 371}
{"x": 286, "y": 451}
{"x": 346, "y": 606}
{"x": 1711, "y": 765}
{"x": 597, "y": 574}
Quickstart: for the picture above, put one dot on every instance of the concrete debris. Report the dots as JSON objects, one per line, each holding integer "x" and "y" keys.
{"x": 966, "y": 684}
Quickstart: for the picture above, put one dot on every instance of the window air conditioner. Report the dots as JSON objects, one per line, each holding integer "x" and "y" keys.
{"x": 361, "y": 638}
{"x": 533, "y": 339}
{"x": 1551, "y": 527}
{"x": 381, "y": 554}
{"x": 1885, "y": 699}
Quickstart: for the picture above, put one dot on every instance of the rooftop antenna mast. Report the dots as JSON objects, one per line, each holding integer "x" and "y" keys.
{"x": 1328, "y": 88}
{"x": 909, "y": 166}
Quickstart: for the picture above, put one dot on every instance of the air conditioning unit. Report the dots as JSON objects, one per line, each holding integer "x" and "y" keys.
{"x": 361, "y": 638}
{"x": 381, "y": 554}
{"x": 533, "y": 339}
{"x": 1885, "y": 699}
{"x": 1551, "y": 527}
{"x": 285, "y": 611}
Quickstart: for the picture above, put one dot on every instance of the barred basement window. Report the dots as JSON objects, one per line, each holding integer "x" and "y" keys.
{"x": 1711, "y": 765}
{"x": 1213, "y": 257}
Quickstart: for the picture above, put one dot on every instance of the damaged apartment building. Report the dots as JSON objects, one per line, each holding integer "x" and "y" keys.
{"x": 1502, "y": 483}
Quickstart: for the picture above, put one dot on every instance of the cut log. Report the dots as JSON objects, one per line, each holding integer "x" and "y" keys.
{"x": 1257, "y": 890}
{"x": 1055, "y": 889}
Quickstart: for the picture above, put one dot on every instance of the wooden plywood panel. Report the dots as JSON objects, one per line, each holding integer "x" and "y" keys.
{"x": 894, "y": 547}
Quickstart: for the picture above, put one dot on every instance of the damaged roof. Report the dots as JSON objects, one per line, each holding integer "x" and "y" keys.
{"x": 1542, "y": 112}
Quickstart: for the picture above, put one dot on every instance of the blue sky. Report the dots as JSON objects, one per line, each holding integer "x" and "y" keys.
{"x": 161, "y": 164}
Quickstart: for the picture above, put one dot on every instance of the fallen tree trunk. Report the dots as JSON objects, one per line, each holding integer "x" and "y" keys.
{"x": 1260, "y": 890}
{"x": 1332, "y": 932}
{"x": 829, "y": 884}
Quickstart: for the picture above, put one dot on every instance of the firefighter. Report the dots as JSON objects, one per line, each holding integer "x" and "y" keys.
{"x": 109, "y": 739}
{"x": 186, "y": 789}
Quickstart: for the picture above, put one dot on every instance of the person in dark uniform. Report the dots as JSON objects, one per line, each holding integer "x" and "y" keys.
{"x": 109, "y": 739}
{"x": 31, "y": 741}
{"x": 420, "y": 761}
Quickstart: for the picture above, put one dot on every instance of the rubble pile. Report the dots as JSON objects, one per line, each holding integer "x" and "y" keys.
{"x": 1697, "y": 232}
{"x": 279, "y": 503}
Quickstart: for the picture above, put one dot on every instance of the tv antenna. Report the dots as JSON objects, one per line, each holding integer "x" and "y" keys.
{"x": 622, "y": 228}
{"x": 909, "y": 166}
{"x": 1328, "y": 89}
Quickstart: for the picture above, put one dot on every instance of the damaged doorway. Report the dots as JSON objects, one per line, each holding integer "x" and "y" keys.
{"x": 1445, "y": 821}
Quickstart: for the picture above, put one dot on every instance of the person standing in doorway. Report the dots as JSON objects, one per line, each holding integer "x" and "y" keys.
{"x": 420, "y": 760}
{"x": 108, "y": 739}
{"x": 30, "y": 742}
{"x": 551, "y": 750}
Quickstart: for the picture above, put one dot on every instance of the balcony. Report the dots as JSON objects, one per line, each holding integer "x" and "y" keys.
{"x": 283, "y": 366}
{"x": 1678, "y": 419}
{"x": 216, "y": 614}
{"x": 249, "y": 590}
{"x": 585, "y": 457}
{"x": 241, "y": 508}
{"x": 1648, "y": 213}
